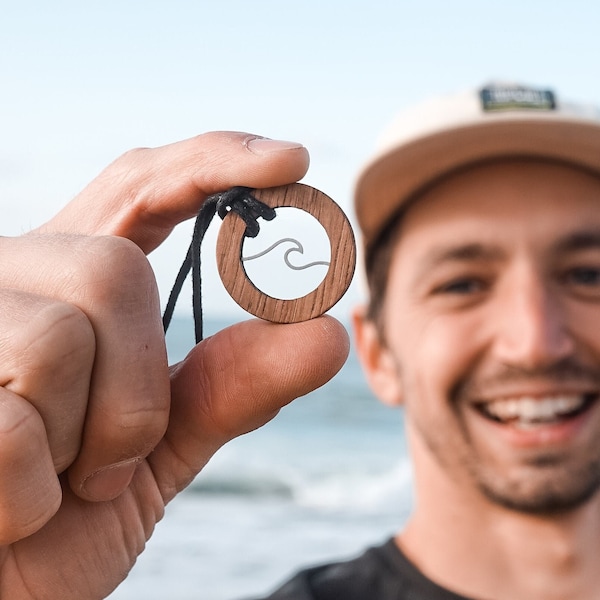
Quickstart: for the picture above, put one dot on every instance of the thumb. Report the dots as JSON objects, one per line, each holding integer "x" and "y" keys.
{"x": 235, "y": 382}
{"x": 146, "y": 192}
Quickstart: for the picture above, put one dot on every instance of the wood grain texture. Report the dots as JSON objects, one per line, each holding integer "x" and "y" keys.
{"x": 333, "y": 286}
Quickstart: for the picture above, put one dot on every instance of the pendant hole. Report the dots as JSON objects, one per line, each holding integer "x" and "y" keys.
{"x": 290, "y": 256}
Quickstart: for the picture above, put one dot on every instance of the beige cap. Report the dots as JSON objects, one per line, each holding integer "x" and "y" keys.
{"x": 443, "y": 134}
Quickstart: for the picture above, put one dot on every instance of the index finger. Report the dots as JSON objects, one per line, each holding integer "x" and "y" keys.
{"x": 146, "y": 192}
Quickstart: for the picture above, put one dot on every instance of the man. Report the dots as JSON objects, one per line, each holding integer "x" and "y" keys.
{"x": 480, "y": 217}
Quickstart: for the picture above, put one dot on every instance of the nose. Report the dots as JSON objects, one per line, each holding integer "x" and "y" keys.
{"x": 532, "y": 329}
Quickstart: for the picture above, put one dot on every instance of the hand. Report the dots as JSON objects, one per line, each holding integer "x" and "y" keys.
{"x": 97, "y": 434}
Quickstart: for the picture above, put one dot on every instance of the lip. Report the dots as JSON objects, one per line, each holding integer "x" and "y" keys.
{"x": 535, "y": 390}
{"x": 558, "y": 433}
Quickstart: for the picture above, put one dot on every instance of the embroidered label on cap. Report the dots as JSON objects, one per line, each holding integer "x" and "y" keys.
{"x": 512, "y": 97}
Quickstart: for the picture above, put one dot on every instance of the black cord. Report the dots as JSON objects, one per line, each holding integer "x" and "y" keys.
{"x": 237, "y": 199}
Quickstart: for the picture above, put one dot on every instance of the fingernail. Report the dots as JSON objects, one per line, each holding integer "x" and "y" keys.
{"x": 107, "y": 483}
{"x": 266, "y": 145}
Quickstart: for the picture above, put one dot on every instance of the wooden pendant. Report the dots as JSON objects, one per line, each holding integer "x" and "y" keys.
{"x": 330, "y": 290}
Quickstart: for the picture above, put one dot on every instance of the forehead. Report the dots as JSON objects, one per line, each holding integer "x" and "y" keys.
{"x": 505, "y": 203}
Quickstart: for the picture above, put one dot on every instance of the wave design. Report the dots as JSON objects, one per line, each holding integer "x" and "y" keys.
{"x": 298, "y": 247}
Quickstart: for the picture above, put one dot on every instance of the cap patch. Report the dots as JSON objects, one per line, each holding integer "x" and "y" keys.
{"x": 513, "y": 97}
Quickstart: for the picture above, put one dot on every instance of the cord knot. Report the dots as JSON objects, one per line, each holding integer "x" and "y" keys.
{"x": 237, "y": 199}
{"x": 240, "y": 200}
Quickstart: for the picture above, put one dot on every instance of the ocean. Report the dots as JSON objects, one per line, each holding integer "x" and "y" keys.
{"x": 325, "y": 479}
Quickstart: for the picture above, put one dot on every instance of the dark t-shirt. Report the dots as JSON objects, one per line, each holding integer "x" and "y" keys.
{"x": 381, "y": 573}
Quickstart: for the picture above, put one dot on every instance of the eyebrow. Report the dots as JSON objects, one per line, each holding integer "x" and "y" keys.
{"x": 580, "y": 240}
{"x": 472, "y": 252}
{"x": 469, "y": 252}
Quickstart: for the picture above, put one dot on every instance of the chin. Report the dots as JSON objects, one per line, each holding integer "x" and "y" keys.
{"x": 551, "y": 491}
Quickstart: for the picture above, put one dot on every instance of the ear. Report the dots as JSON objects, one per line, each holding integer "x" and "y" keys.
{"x": 376, "y": 358}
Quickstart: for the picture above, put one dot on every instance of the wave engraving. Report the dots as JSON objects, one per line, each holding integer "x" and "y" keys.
{"x": 298, "y": 248}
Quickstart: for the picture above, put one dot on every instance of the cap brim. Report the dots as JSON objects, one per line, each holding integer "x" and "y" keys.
{"x": 397, "y": 174}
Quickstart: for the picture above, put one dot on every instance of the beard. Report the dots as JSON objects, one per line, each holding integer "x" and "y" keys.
{"x": 546, "y": 481}
{"x": 552, "y": 486}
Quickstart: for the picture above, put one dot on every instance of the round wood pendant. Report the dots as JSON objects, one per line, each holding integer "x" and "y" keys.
{"x": 341, "y": 266}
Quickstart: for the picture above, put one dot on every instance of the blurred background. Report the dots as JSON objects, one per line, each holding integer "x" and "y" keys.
{"x": 82, "y": 83}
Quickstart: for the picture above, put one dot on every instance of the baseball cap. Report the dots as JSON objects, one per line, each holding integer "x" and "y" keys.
{"x": 446, "y": 133}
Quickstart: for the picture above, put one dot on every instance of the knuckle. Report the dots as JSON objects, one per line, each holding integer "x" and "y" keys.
{"x": 144, "y": 427}
{"x": 115, "y": 269}
{"x": 135, "y": 433}
{"x": 108, "y": 249}
{"x": 19, "y": 421}
{"x": 220, "y": 137}
{"x": 57, "y": 335}
{"x": 123, "y": 170}
{"x": 130, "y": 158}
{"x": 133, "y": 153}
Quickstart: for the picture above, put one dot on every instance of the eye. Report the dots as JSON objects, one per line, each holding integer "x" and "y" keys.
{"x": 462, "y": 286}
{"x": 584, "y": 276}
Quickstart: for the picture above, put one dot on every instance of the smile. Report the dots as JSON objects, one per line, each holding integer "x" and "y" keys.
{"x": 527, "y": 412}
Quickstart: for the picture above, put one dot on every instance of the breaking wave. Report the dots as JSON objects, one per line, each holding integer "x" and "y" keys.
{"x": 330, "y": 491}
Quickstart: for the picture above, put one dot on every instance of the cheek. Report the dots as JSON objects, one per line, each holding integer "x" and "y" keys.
{"x": 435, "y": 353}
{"x": 582, "y": 325}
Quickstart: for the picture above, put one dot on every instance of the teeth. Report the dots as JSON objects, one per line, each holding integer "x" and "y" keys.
{"x": 526, "y": 410}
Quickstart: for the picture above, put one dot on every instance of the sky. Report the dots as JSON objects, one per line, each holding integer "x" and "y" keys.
{"x": 82, "y": 82}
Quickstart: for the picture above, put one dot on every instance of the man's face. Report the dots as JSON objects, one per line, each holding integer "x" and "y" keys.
{"x": 492, "y": 327}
